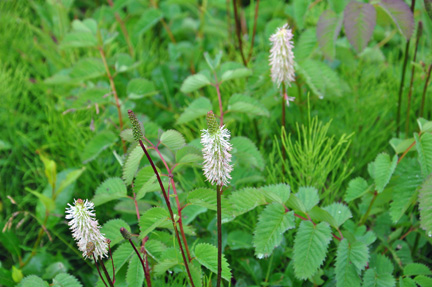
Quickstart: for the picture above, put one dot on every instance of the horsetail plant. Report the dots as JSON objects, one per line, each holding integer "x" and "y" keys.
{"x": 217, "y": 169}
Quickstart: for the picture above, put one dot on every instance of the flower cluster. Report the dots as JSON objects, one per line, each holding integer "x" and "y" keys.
{"x": 282, "y": 56}
{"x": 216, "y": 152}
{"x": 85, "y": 229}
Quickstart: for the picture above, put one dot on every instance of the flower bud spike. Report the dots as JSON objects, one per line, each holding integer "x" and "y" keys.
{"x": 125, "y": 233}
{"x": 212, "y": 123}
{"x": 137, "y": 129}
{"x": 216, "y": 152}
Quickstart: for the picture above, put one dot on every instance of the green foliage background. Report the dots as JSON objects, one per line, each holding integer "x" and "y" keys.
{"x": 60, "y": 129}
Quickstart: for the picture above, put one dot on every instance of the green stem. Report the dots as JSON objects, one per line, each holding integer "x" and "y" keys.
{"x": 364, "y": 218}
{"x": 419, "y": 32}
{"x": 424, "y": 91}
{"x": 219, "y": 234}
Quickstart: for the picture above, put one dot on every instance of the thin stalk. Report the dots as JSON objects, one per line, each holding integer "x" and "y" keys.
{"x": 254, "y": 30}
{"x": 110, "y": 283}
{"x": 220, "y": 101}
{"x": 113, "y": 88}
{"x": 123, "y": 28}
{"x": 142, "y": 262}
{"x": 112, "y": 260}
{"x": 147, "y": 269}
{"x": 238, "y": 31}
{"x": 164, "y": 24}
{"x": 283, "y": 122}
{"x": 364, "y": 218}
{"x": 97, "y": 267}
{"x": 179, "y": 207}
{"x": 219, "y": 234}
{"x": 419, "y": 32}
{"x": 169, "y": 209}
{"x": 398, "y": 116}
{"x": 424, "y": 91}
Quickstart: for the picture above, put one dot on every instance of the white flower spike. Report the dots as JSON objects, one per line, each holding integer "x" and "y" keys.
{"x": 216, "y": 152}
{"x": 282, "y": 56}
{"x": 85, "y": 228}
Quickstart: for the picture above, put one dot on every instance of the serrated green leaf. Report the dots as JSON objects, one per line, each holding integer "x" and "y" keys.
{"x": 319, "y": 214}
{"x": 425, "y": 206}
{"x": 416, "y": 269}
{"x": 135, "y": 273}
{"x": 308, "y": 196}
{"x": 310, "y": 248}
{"x": 149, "y": 18}
{"x": 400, "y": 145}
{"x": 245, "y": 104}
{"x": 401, "y": 14}
{"x": 87, "y": 68}
{"x": 306, "y": 45}
{"x": 198, "y": 108}
{"x": 383, "y": 170}
{"x": 359, "y": 23}
{"x": 120, "y": 256}
{"x": 206, "y": 254}
{"x": 194, "y": 82}
{"x": 277, "y": 192}
{"x": 33, "y": 281}
{"x": 373, "y": 279}
{"x": 151, "y": 219}
{"x": 246, "y": 199}
{"x": 423, "y": 281}
{"x": 96, "y": 145}
{"x": 111, "y": 189}
{"x": 246, "y": 152}
{"x": 188, "y": 154}
{"x": 127, "y": 135}
{"x": 169, "y": 259}
{"x": 406, "y": 282}
{"x": 424, "y": 149}
{"x": 350, "y": 261}
{"x": 272, "y": 224}
{"x": 66, "y": 280}
{"x": 339, "y": 212}
{"x": 80, "y": 39}
{"x": 204, "y": 197}
{"x": 404, "y": 184}
{"x": 140, "y": 88}
{"x": 146, "y": 181}
{"x": 321, "y": 79}
{"x": 131, "y": 164}
{"x": 328, "y": 29}
{"x": 235, "y": 74}
{"x": 155, "y": 248}
{"x": 173, "y": 140}
{"x": 111, "y": 229}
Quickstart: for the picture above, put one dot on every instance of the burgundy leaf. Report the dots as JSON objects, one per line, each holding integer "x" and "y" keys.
{"x": 359, "y": 22}
{"x": 428, "y": 6}
{"x": 401, "y": 14}
{"x": 328, "y": 29}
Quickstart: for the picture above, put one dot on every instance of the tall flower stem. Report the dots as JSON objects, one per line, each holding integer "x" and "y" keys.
{"x": 398, "y": 116}
{"x": 123, "y": 28}
{"x": 113, "y": 87}
{"x": 145, "y": 268}
{"x": 167, "y": 201}
{"x": 424, "y": 91}
{"x": 238, "y": 31}
{"x": 419, "y": 32}
{"x": 97, "y": 267}
{"x": 283, "y": 123}
{"x": 254, "y": 30}
{"x": 110, "y": 283}
{"x": 219, "y": 234}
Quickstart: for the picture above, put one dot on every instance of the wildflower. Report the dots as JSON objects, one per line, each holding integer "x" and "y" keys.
{"x": 282, "y": 57}
{"x": 216, "y": 150}
{"x": 85, "y": 229}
